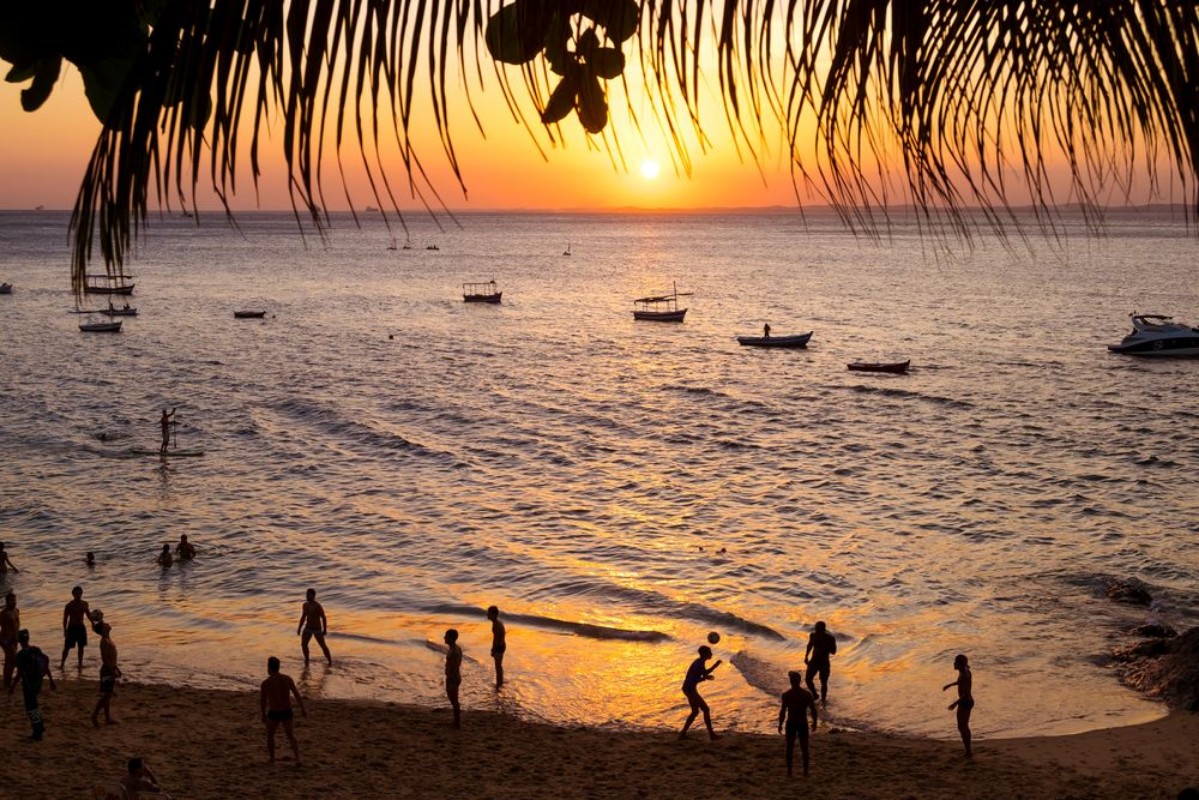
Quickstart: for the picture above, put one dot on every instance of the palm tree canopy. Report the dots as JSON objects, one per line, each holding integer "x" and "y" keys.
{"x": 957, "y": 93}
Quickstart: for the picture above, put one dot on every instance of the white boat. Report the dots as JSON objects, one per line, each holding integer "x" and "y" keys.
{"x": 1158, "y": 335}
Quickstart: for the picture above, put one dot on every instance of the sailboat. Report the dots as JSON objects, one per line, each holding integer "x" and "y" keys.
{"x": 567, "y": 251}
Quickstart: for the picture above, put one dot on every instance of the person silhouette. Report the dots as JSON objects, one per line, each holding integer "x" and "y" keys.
{"x": 453, "y": 673}
{"x": 499, "y": 644}
{"x": 696, "y": 674}
{"x": 274, "y": 701}
{"x": 313, "y": 623}
{"x": 166, "y": 423}
{"x": 965, "y": 702}
{"x": 821, "y": 645}
{"x": 796, "y": 703}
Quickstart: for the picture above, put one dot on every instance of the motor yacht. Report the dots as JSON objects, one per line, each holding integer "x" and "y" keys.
{"x": 1158, "y": 335}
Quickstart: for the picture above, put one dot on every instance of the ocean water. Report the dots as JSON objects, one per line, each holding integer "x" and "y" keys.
{"x": 618, "y": 488}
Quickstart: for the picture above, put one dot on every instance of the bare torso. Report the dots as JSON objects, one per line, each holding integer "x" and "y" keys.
{"x": 74, "y": 612}
{"x": 277, "y": 689}
{"x": 10, "y": 623}
{"x": 453, "y": 664}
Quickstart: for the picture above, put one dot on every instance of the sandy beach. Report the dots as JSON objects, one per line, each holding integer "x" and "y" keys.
{"x": 206, "y": 744}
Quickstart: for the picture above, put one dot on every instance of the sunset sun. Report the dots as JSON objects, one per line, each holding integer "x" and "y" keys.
{"x": 650, "y": 169}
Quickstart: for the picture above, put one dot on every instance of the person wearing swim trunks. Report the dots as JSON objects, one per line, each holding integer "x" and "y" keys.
{"x": 499, "y": 644}
{"x": 797, "y": 702}
{"x": 74, "y": 627}
{"x": 696, "y": 674}
{"x": 109, "y": 671}
{"x": 5, "y": 562}
{"x": 274, "y": 699}
{"x": 965, "y": 702}
{"x": 32, "y": 665}
{"x": 10, "y": 623}
{"x": 166, "y": 423}
{"x": 313, "y": 624}
{"x": 821, "y": 645}
{"x": 453, "y": 673}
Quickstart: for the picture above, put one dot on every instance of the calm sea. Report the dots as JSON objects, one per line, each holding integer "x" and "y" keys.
{"x": 618, "y": 488}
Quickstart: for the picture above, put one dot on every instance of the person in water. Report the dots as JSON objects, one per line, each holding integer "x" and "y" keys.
{"x": 165, "y": 559}
{"x": 274, "y": 700}
{"x": 166, "y": 423}
{"x": 499, "y": 643}
{"x": 821, "y": 645}
{"x": 965, "y": 702}
{"x": 697, "y": 673}
{"x": 797, "y": 703}
{"x": 313, "y": 623}
{"x": 90, "y": 559}
{"x": 766, "y": 331}
{"x": 5, "y": 562}
{"x": 109, "y": 671}
{"x": 453, "y": 673}
{"x": 10, "y": 624}
{"x": 74, "y": 627}
{"x": 185, "y": 549}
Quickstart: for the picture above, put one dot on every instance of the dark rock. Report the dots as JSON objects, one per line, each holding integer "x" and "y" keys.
{"x": 1171, "y": 675}
{"x": 1153, "y": 631}
{"x": 1130, "y": 591}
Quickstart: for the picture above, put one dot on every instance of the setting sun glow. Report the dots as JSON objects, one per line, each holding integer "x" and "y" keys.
{"x": 650, "y": 169}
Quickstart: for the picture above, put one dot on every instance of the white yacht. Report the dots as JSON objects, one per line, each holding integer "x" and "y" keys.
{"x": 1158, "y": 335}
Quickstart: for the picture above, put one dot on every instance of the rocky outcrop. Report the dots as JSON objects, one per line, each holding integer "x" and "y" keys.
{"x": 1163, "y": 667}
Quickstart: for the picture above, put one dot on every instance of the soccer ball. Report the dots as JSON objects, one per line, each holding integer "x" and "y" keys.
{"x": 713, "y": 637}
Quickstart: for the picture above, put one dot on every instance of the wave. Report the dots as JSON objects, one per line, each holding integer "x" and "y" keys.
{"x": 904, "y": 394}
{"x": 331, "y": 421}
{"x": 585, "y": 629}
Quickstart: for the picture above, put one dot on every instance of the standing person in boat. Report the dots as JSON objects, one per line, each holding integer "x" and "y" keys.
{"x": 10, "y": 623}
{"x": 165, "y": 559}
{"x": 75, "y": 616}
{"x": 965, "y": 702}
{"x": 185, "y": 549}
{"x": 274, "y": 700}
{"x": 766, "y": 331}
{"x": 453, "y": 673}
{"x": 696, "y": 674}
{"x": 313, "y": 623}
{"x": 166, "y": 422}
{"x": 499, "y": 643}
{"x": 821, "y": 645}
{"x": 797, "y": 703}
{"x": 32, "y": 666}
{"x": 109, "y": 671}
{"x": 5, "y": 562}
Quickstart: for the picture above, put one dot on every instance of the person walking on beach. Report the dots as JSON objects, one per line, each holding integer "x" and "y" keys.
{"x": 697, "y": 673}
{"x": 797, "y": 703}
{"x": 821, "y": 645}
{"x": 185, "y": 549}
{"x": 274, "y": 700}
{"x": 313, "y": 624}
{"x": 965, "y": 702}
{"x": 453, "y": 673}
{"x": 165, "y": 559}
{"x": 74, "y": 627}
{"x": 32, "y": 665}
{"x": 499, "y": 643}
{"x": 166, "y": 423}
{"x": 10, "y": 623}
{"x": 139, "y": 780}
{"x": 6, "y": 562}
{"x": 109, "y": 671}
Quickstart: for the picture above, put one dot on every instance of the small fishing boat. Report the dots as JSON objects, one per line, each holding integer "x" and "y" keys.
{"x": 481, "y": 292}
{"x": 5, "y": 288}
{"x": 796, "y": 340}
{"x": 893, "y": 367}
{"x": 660, "y": 308}
{"x": 566, "y": 252}
{"x": 107, "y": 284}
{"x": 100, "y": 327}
{"x": 249, "y": 314}
{"x": 432, "y": 247}
{"x": 124, "y": 311}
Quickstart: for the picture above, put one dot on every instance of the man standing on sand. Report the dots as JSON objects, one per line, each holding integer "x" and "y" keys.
{"x": 453, "y": 673}
{"x": 965, "y": 702}
{"x": 313, "y": 623}
{"x": 5, "y": 562}
{"x": 696, "y": 674}
{"x": 274, "y": 700}
{"x": 109, "y": 671}
{"x": 166, "y": 423}
{"x": 821, "y": 645}
{"x": 32, "y": 666}
{"x": 797, "y": 701}
{"x": 499, "y": 643}
{"x": 10, "y": 623}
{"x": 74, "y": 628}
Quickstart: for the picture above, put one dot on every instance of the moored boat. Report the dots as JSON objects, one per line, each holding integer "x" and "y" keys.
{"x": 487, "y": 292}
{"x": 124, "y": 311}
{"x": 660, "y": 308}
{"x": 107, "y": 284}
{"x": 1158, "y": 335}
{"x": 796, "y": 340}
{"x": 100, "y": 327}
{"x": 893, "y": 367}
{"x": 249, "y": 314}
{"x": 5, "y": 288}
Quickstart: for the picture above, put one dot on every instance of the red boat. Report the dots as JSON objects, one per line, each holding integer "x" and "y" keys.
{"x": 893, "y": 367}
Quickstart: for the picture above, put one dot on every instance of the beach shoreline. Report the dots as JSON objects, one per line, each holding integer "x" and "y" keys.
{"x": 210, "y": 744}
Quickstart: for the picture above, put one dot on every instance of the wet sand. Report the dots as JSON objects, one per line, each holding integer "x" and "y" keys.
{"x": 204, "y": 744}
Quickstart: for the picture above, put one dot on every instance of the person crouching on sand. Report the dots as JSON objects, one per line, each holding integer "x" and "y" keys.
{"x": 797, "y": 701}
{"x": 696, "y": 674}
{"x": 453, "y": 673}
{"x": 109, "y": 671}
{"x": 139, "y": 780}
{"x": 274, "y": 700}
{"x": 965, "y": 702}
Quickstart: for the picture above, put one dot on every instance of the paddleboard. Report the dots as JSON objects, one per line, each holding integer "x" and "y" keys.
{"x": 145, "y": 451}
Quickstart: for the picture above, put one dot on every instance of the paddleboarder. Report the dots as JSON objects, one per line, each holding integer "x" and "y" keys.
{"x": 166, "y": 423}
